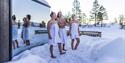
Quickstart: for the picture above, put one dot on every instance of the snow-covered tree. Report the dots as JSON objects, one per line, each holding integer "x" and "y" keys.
{"x": 98, "y": 13}
{"x": 83, "y": 17}
{"x": 102, "y": 14}
{"x": 121, "y": 20}
{"x": 94, "y": 11}
{"x": 76, "y": 9}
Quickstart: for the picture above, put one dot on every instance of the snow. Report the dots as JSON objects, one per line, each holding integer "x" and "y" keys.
{"x": 30, "y": 58}
{"x": 110, "y": 48}
{"x": 114, "y": 52}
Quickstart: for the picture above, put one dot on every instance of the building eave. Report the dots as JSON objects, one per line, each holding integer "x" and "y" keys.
{"x": 37, "y": 1}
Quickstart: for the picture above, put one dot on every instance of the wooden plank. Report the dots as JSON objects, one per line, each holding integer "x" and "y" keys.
{"x": 41, "y": 31}
{"x": 91, "y": 33}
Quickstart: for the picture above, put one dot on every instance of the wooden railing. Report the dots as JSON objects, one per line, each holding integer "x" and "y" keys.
{"x": 91, "y": 33}
{"x": 88, "y": 33}
{"x": 41, "y": 31}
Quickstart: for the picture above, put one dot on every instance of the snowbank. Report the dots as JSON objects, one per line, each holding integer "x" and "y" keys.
{"x": 31, "y": 59}
{"x": 87, "y": 52}
{"x": 109, "y": 48}
{"x": 114, "y": 52}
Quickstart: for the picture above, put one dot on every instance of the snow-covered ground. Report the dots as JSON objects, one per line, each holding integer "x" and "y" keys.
{"x": 110, "y": 48}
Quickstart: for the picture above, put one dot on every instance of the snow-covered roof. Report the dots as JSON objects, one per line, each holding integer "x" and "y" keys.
{"x": 43, "y": 2}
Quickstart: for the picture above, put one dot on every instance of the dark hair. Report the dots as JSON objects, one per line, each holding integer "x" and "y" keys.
{"x": 13, "y": 17}
{"x": 58, "y": 15}
{"x": 25, "y": 24}
{"x": 28, "y": 16}
{"x": 51, "y": 14}
{"x": 24, "y": 19}
{"x": 66, "y": 19}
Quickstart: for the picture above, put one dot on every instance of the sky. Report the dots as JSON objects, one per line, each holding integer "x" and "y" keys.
{"x": 40, "y": 12}
{"x": 113, "y": 7}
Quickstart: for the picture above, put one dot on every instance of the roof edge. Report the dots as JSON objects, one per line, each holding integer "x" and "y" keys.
{"x": 42, "y": 3}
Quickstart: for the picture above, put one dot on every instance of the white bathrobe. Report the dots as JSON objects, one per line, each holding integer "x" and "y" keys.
{"x": 74, "y": 30}
{"x": 63, "y": 35}
{"x": 25, "y": 31}
{"x": 14, "y": 32}
{"x": 54, "y": 32}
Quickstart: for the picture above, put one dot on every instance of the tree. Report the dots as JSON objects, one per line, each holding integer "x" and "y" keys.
{"x": 68, "y": 16}
{"x": 102, "y": 14}
{"x": 76, "y": 9}
{"x": 98, "y": 13}
{"x": 95, "y": 11}
{"x": 121, "y": 19}
{"x": 115, "y": 19}
{"x": 83, "y": 17}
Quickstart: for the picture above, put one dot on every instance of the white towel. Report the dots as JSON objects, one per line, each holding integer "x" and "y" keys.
{"x": 74, "y": 30}
{"x": 14, "y": 32}
{"x": 63, "y": 35}
{"x": 54, "y": 32}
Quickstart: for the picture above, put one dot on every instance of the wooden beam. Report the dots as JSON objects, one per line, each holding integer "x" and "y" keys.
{"x": 91, "y": 33}
{"x": 37, "y": 1}
{"x": 5, "y": 30}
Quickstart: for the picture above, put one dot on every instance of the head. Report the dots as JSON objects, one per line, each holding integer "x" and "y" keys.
{"x": 28, "y": 16}
{"x": 74, "y": 17}
{"x": 13, "y": 17}
{"x": 18, "y": 20}
{"x": 42, "y": 21}
{"x": 53, "y": 15}
{"x": 24, "y": 19}
{"x": 59, "y": 15}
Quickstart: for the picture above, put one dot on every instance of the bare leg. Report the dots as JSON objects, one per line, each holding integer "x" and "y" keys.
{"x": 24, "y": 42}
{"x": 13, "y": 45}
{"x": 64, "y": 47}
{"x": 78, "y": 41}
{"x": 51, "y": 51}
{"x": 17, "y": 43}
{"x": 60, "y": 49}
{"x": 27, "y": 42}
{"x": 72, "y": 44}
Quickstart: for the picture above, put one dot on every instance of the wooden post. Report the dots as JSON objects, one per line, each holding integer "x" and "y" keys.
{"x": 5, "y": 30}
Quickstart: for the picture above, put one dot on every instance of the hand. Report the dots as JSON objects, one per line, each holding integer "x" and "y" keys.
{"x": 68, "y": 33}
{"x": 80, "y": 34}
{"x": 22, "y": 35}
{"x": 50, "y": 37}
